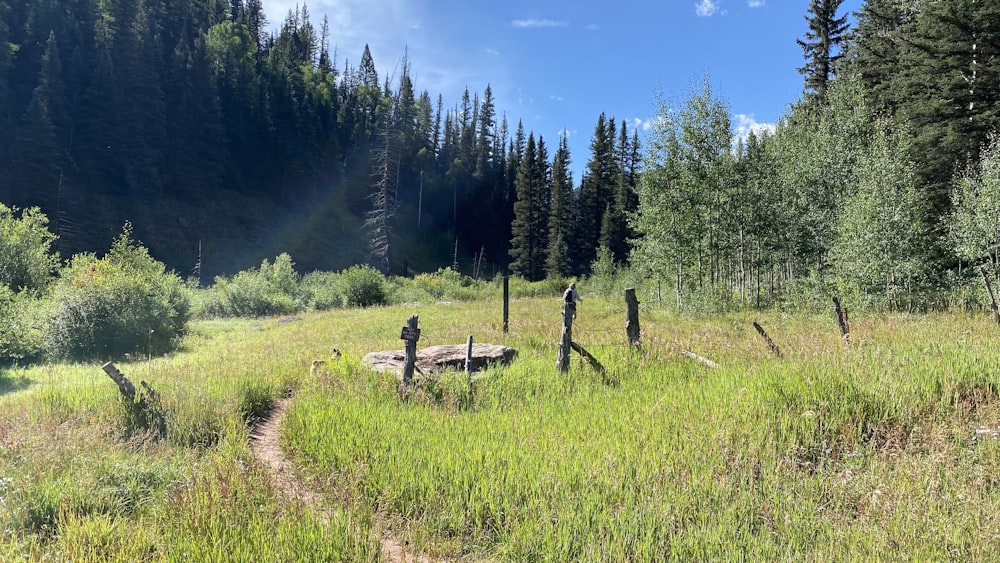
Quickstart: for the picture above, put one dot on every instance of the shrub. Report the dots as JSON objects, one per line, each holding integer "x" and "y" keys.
{"x": 272, "y": 289}
{"x": 26, "y": 261}
{"x": 20, "y": 326}
{"x": 363, "y": 286}
{"x": 322, "y": 290}
{"x": 124, "y": 302}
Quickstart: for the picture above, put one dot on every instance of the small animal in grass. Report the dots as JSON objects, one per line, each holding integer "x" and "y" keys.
{"x": 317, "y": 365}
{"x": 336, "y": 354}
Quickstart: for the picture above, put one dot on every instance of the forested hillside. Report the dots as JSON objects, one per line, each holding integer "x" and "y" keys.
{"x": 226, "y": 140}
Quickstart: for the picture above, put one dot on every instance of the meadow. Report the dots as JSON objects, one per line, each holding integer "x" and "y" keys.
{"x": 887, "y": 450}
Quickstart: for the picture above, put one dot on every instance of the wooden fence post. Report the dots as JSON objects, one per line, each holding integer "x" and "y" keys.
{"x": 632, "y": 318}
{"x": 506, "y": 304}
{"x": 562, "y": 362}
{"x": 845, "y": 328}
{"x": 993, "y": 298}
{"x": 767, "y": 339}
{"x": 411, "y": 334}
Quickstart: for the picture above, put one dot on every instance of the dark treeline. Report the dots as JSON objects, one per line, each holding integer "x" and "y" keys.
{"x": 224, "y": 143}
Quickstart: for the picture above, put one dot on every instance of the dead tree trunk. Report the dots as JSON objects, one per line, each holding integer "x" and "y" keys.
{"x": 562, "y": 362}
{"x": 993, "y": 298}
{"x": 770, "y": 343}
{"x": 632, "y": 320}
{"x": 845, "y": 328}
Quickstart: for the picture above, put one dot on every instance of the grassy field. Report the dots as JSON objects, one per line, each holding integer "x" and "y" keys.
{"x": 886, "y": 451}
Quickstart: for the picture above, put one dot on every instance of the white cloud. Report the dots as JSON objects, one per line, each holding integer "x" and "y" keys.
{"x": 537, "y": 23}
{"x": 593, "y": 27}
{"x": 567, "y": 133}
{"x": 706, "y": 8}
{"x": 745, "y": 123}
{"x": 556, "y": 98}
{"x": 755, "y": 3}
{"x": 493, "y": 52}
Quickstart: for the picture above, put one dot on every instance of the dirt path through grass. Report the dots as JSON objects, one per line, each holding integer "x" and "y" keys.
{"x": 265, "y": 442}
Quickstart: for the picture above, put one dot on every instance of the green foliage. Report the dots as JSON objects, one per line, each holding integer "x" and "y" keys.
{"x": 26, "y": 258}
{"x": 21, "y": 326}
{"x": 363, "y": 286}
{"x": 272, "y": 289}
{"x": 880, "y": 247}
{"x": 125, "y": 302}
{"x": 321, "y": 290}
{"x": 974, "y": 228}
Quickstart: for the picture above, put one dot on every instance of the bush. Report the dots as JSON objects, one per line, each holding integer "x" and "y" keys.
{"x": 363, "y": 286}
{"x": 26, "y": 261}
{"x": 321, "y": 290}
{"x": 125, "y": 302}
{"x": 20, "y": 326}
{"x": 272, "y": 289}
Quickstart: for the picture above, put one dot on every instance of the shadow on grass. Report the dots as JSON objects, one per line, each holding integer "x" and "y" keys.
{"x": 11, "y": 384}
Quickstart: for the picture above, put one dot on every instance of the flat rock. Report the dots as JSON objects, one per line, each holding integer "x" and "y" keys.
{"x": 437, "y": 358}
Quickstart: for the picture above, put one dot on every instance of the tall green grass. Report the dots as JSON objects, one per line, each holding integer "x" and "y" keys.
{"x": 871, "y": 453}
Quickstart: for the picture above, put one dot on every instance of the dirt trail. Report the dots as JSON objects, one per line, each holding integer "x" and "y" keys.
{"x": 265, "y": 442}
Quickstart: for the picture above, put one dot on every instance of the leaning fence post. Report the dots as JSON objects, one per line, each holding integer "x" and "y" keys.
{"x": 562, "y": 362}
{"x": 767, "y": 339}
{"x": 845, "y": 328}
{"x": 993, "y": 299}
{"x": 632, "y": 318}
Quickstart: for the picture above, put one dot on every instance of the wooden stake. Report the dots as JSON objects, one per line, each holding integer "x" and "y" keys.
{"x": 699, "y": 359}
{"x": 993, "y": 298}
{"x": 632, "y": 318}
{"x": 767, "y": 339}
{"x": 845, "y": 329}
{"x": 411, "y": 351}
{"x": 566, "y": 340}
{"x": 587, "y": 356}
{"x": 506, "y": 304}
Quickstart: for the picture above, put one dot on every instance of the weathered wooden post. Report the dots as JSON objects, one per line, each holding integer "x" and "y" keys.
{"x": 411, "y": 334}
{"x": 565, "y": 343}
{"x": 993, "y": 298}
{"x": 468, "y": 356}
{"x": 632, "y": 318}
{"x": 468, "y": 368}
{"x": 767, "y": 339}
{"x": 845, "y": 329}
{"x": 699, "y": 359}
{"x": 506, "y": 304}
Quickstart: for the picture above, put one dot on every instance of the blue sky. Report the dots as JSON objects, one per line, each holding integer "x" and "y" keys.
{"x": 557, "y": 65}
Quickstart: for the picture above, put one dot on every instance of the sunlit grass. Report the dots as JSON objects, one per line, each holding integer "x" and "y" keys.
{"x": 826, "y": 453}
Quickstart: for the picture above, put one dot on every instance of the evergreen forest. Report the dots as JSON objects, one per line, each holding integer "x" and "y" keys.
{"x": 224, "y": 139}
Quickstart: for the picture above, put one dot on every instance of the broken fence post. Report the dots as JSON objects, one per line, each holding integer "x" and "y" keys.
{"x": 767, "y": 339}
{"x": 632, "y": 318}
{"x": 993, "y": 298}
{"x": 699, "y": 359}
{"x": 588, "y": 356}
{"x": 566, "y": 339}
{"x": 845, "y": 328}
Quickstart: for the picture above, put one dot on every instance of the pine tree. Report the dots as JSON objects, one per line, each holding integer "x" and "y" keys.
{"x": 820, "y": 46}
{"x": 558, "y": 262}
{"x": 596, "y": 193}
{"x": 527, "y": 247}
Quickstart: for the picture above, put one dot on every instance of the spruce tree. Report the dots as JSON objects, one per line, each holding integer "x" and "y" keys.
{"x": 820, "y": 46}
{"x": 558, "y": 262}
{"x": 527, "y": 247}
